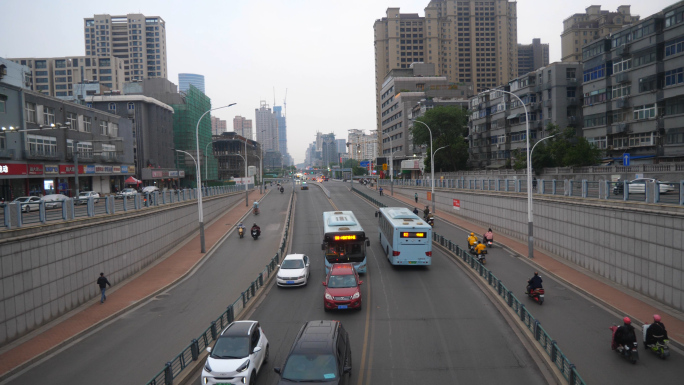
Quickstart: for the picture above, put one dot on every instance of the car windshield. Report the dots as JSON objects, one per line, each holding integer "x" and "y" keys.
{"x": 292, "y": 264}
{"x": 231, "y": 347}
{"x": 310, "y": 367}
{"x": 22, "y": 199}
{"x": 339, "y": 281}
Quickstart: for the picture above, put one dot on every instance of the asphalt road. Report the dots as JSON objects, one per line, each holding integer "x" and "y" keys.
{"x": 417, "y": 326}
{"x": 135, "y": 346}
{"x": 579, "y": 325}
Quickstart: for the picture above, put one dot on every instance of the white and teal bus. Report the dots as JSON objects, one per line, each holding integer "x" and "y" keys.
{"x": 344, "y": 240}
{"x": 405, "y": 237}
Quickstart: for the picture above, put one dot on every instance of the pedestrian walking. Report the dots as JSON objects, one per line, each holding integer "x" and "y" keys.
{"x": 103, "y": 282}
{"x": 415, "y": 196}
{"x": 380, "y": 189}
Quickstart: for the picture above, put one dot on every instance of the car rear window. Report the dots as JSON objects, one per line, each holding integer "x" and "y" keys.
{"x": 310, "y": 367}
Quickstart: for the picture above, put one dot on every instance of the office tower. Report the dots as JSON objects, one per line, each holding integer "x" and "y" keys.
{"x": 532, "y": 56}
{"x": 282, "y": 129}
{"x": 185, "y": 80}
{"x": 266, "y": 127}
{"x": 468, "y": 41}
{"x": 218, "y": 126}
{"x": 341, "y": 146}
{"x": 243, "y": 127}
{"x": 581, "y": 29}
{"x": 137, "y": 39}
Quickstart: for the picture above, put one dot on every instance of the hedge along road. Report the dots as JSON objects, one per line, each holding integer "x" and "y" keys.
{"x": 418, "y": 325}
{"x": 134, "y": 347}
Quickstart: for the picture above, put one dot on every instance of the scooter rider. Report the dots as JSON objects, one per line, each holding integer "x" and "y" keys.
{"x": 257, "y": 228}
{"x": 624, "y": 334}
{"x": 534, "y": 282}
{"x": 488, "y": 236}
{"x": 426, "y": 212}
{"x": 656, "y": 331}
{"x": 479, "y": 247}
{"x": 472, "y": 240}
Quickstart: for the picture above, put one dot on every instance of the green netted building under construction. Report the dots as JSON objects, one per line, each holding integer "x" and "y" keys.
{"x": 185, "y": 119}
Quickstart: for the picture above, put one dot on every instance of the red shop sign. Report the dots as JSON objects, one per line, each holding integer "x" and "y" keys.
{"x": 12, "y": 169}
{"x": 66, "y": 169}
{"x": 35, "y": 169}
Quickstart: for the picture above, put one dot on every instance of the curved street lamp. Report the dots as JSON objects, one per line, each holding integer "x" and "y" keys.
{"x": 199, "y": 176}
{"x": 432, "y": 164}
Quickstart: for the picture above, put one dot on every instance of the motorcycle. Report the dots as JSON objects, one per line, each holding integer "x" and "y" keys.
{"x": 479, "y": 256}
{"x": 241, "y": 232}
{"x": 431, "y": 221}
{"x": 537, "y": 295}
{"x": 255, "y": 234}
{"x": 282, "y": 190}
{"x": 629, "y": 352}
{"x": 256, "y": 211}
{"x": 660, "y": 348}
{"x": 488, "y": 242}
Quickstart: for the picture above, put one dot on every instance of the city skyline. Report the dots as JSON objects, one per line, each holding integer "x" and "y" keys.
{"x": 295, "y": 28}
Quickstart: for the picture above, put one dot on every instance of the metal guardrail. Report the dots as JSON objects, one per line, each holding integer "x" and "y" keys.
{"x": 191, "y": 353}
{"x": 659, "y": 192}
{"x": 72, "y": 208}
{"x": 539, "y": 334}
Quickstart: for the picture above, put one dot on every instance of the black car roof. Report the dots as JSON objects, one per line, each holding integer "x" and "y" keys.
{"x": 316, "y": 337}
{"x": 239, "y": 329}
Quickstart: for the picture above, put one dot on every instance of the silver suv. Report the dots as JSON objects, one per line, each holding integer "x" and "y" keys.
{"x": 84, "y": 195}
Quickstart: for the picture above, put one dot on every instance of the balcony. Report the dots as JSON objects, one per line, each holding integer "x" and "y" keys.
{"x": 621, "y": 127}
{"x": 546, "y": 86}
{"x": 548, "y": 103}
{"x": 535, "y": 106}
{"x": 85, "y": 156}
{"x": 37, "y": 154}
{"x": 572, "y": 121}
{"x": 536, "y": 124}
{"x": 571, "y": 82}
{"x": 538, "y": 88}
{"x": 622, "y": 78}
{"x": 6, "y": 154}
{"x": 109, "y": 158}
{"x": 623, "y": 50}
{"x": 572, "y": 101}
{"x": 622, "y": 102}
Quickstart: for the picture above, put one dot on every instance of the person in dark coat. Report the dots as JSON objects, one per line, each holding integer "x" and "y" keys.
{"x": 103, "y": 282}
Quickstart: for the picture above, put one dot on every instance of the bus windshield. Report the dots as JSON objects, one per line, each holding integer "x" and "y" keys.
{"x": 341, "y": 252}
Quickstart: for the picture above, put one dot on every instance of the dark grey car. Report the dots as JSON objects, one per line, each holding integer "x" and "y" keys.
{"x": 320, "y": 355}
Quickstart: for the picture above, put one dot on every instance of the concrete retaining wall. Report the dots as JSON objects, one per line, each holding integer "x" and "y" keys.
{"x": 639, "y": 248}
{"x": 44, "y": 275}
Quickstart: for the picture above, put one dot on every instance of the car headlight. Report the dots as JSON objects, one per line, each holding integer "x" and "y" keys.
{"x": 243, "y": 367}
{"x": 207, "y": 367}
{"x": 301, "y": 276}
{"x": 328, "y": 296}
{"x": 356, "y": 295}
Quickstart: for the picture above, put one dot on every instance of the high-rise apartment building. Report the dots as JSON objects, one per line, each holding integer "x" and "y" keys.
{"x": 282, "y": 129}
{"x": 218, "y": 126}
{"x": 581, "y": 29}
{"x": 532, "y": 56}
{"x": 137, "y": 39}
{"x": 267, "y": 127}
{"x": 185, "y": 80}
{"x": 243, "y": 127}
{"x": 468, "y": 41}
{"x": 61, "y": 76}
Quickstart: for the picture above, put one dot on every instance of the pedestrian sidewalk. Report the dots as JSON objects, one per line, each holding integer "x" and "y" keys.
{"x": 619, "y": 298}
{"x": 120, "y": 298}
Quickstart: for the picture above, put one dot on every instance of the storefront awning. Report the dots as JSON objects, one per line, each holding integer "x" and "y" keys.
{"x": 132, "y": 180}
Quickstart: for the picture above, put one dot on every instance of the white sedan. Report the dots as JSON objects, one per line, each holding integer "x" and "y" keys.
{"x": 638, "y": 186}
{"x": 294, "y": 271}
{"x": 28, "y": 203}
{"x": 54, "y": 201}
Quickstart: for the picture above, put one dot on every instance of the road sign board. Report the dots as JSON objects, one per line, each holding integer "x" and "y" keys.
{"x": 625, "y": 159}
{"x": 384, "y": 167}
{"x": 364, "y": 163}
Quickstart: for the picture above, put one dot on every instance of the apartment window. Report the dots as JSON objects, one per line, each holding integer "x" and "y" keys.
{"x": 622, "y": 66}
{"x": 648, "y": 83}
{"x": 675, "y": 76}
{"x": 621, "y": 90}
{"x": 3, "y": 106}
{"x": 42, "y": 145}
{"x": 647, "y": 111}
{"x": 72, "y": 119}
{"x": 671, "y": 47}
{"x": 48, "y": 115}
{"x": 570, "y": 73}
{"x": 640, "y": 140}
{"x": 131, "y": 106}
{"x": 594, "y": 120}
{"x": 87, "y": 123}
{"x": 103, "y": 128}
{"x": 112, "y": 107}
{"x": 41, "y": 64}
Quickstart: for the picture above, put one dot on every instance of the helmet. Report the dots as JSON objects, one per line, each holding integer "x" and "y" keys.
{"x": 536, "y": 273}
{"x": 490, "y": 229}
{"x": 656, "y": 318}
{"x": 627, "y": 321}
{"x": 472, "y": 233}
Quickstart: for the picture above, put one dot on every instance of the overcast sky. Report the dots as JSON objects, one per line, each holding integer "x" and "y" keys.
{"x": 321, "y": 51}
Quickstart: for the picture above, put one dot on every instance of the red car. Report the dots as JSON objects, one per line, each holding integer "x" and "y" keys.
{"x": 342, "y": 288}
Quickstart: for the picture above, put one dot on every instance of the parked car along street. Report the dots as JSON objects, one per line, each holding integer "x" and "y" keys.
{"x": 28, "y": 203}
{"x": 84, "y": 195}
{"x": 638, "y": 186}
{"x": 127, "y": 192}
{"x": 54, "y": 201}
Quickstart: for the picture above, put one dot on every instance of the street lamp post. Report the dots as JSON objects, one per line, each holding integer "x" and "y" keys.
{"x": 206, "y": 159}
{"x": 199, "y": 177}
{"x": 530, "y": 226}
{"x": 432, "y": 165}
{"x": 391, "y": 167}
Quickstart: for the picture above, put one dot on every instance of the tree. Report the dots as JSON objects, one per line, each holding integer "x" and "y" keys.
{"x": 449, "y": 128}
{"x": 565, "y": 149}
